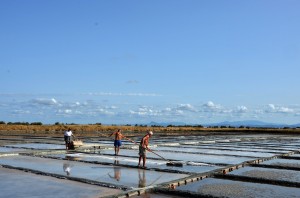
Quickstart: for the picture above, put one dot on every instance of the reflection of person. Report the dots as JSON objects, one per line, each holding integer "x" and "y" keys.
{"x": 67, "y": 168}
{"x": 67, "y": 136}
{"x": 143, "y": 147}
{"x": 117, "y": 171}
{"x": 142, "y": 179}
{"x": 118, "y": 140}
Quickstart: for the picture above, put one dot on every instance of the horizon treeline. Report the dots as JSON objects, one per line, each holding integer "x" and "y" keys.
{"x": 64, "y": 125}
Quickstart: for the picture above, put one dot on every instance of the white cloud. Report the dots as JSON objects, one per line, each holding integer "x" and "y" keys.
{"x": 186, "y": 107}
{"x": 242, "y": 109}
{"x": 90, "y": 108}
{"x": 111, "y": 107}
{"x": 123, "y": 94}
{"x": 45, "y": 101}
{"x": 211, "y": 107}
{"x": 21, "y": 112}
{"x": 145, "y": 111}
{"x": 68, "y": 111}
{"x": 209, "y": 104}
{"x": 105, "y": 112}
{"x": 271, "y": 108}
{"x": 285, "y": 110}
{"x": 64, "y": 111}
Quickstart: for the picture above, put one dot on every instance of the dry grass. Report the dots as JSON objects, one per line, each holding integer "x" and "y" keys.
{"x": 91, "y": 130}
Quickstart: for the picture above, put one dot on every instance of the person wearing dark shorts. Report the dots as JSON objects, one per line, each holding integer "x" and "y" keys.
{"x": 118, "y": 140}
{"x": 143, "y": 147}
{"x": 118, "y": 143}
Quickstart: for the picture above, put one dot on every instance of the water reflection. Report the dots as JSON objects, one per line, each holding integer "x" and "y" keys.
{"x": 142, "y": 178}
{"x": 67, "y": 168}
{"x": 67, "y": 157}
{"x": 117, "y": 171}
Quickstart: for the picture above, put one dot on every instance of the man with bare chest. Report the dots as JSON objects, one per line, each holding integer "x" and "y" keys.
{"x": 118, "y": 140}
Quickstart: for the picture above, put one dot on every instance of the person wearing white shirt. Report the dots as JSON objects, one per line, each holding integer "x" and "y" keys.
{"x": 67, "y": 137}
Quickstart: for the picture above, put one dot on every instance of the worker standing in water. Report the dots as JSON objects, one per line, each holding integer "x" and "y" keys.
{"x": 143, "y": 147}
{"x": 118, "y": 140}
{"x": 67, "y": 136}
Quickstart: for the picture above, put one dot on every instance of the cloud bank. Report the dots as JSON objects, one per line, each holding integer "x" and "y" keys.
{"x": 119, "y": 111}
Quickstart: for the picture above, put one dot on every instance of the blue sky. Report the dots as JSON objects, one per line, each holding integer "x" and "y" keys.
{"x": 128, "y": 62}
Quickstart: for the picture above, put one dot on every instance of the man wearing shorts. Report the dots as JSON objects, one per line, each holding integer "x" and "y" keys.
{"x": 118, "y": 140}
{"x": 143, "y": 147}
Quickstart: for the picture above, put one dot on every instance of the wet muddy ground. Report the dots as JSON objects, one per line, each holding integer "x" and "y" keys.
{"x": 259, "y": 165}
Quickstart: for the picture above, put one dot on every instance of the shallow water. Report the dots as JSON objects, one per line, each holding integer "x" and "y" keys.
{"x": 16, "y": 183}
{"x": 159, "y": 164}
{"x": 215, "y": 151}
{"x": 213, "y": 159}
{"x": 38, "y": 146}
{"x": 247, "y": 148}
{"x": 10, "y": 150}
{"x": 102, "y": 173}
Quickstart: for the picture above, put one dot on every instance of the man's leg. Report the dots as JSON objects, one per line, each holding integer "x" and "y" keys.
{"x": 118, "y": 149}
{"x": 140, "y": 160}
{"x": 144, "y": 161}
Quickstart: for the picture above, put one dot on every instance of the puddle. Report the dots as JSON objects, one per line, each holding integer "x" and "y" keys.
{"x": 256, "y": 148}
{"x": 213, "y": 159}
{"x": 237, "y": 189}
{"x": 38, "y": 146}
{"x": 160, "y": 164}
{"x": 130, "y": 177}
{"x": 10, "y": 150}
{"x": 218, "y": 152}
{"x": 16, "y": 183}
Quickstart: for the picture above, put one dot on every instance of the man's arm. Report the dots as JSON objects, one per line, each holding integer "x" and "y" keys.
{"x": 112, "y": 134}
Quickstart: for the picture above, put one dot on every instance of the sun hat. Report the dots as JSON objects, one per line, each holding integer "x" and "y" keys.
{"x": 150, "y": 132}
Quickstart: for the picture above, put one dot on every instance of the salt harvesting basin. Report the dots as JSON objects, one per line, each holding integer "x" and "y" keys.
{"x": 15, "y": 183}
{"x": 123, "y": 176}
{"x": 236, "y": 189}
{"x": 283, "y": 163}
{"x": 270, "y": 174}
{"x": 133, "y": 161}
{"x": 37, "y": 146}
{"x": 201, "y": 158}
{"x": 95, "y": 172}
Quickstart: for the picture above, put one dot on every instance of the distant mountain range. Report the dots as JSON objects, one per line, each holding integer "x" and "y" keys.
{"x": 245, "y": 123}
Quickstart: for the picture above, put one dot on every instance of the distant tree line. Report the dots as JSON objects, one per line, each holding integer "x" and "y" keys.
{"x": 145, "y": 125}
{"x": 21, "y": 123}
{"x": 40, "y": 123}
